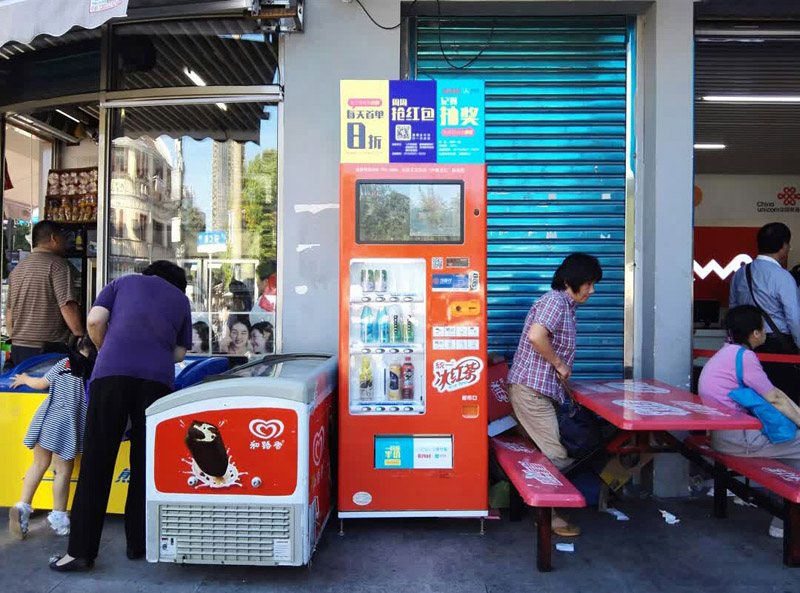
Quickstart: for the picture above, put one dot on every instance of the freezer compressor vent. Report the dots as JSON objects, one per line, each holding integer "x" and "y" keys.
{"x": 227, "y": 534}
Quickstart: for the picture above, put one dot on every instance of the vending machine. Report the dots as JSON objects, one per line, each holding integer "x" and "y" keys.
{"x": 413, "y": 410}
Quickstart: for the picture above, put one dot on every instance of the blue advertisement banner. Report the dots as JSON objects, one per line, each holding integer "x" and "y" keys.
{"x": 461, "y": 121}
{"x": 412, "y": 121}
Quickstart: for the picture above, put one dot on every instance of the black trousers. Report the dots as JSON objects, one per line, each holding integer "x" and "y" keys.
{"x": 112, "y": 400}
{"x": 784, "y": 376}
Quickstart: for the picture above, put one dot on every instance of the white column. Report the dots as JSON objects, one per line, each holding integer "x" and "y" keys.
{"x": 664, "y": 206}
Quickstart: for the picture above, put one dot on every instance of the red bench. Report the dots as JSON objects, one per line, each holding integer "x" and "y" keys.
{"x": 539, "y": 484}
{"x": 773, "y": 475}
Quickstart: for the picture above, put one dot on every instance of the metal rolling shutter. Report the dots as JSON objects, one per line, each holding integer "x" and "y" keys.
{"x": 555, "y": 152}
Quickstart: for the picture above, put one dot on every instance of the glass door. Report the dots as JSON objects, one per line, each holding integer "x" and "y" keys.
{"x": 387, "y": 336}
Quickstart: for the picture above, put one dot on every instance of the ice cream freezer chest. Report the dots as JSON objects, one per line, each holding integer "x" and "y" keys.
{"x": 238, "y": 468}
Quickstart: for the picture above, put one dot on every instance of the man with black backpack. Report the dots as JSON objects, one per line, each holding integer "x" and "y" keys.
{"x": 767, "y": 285}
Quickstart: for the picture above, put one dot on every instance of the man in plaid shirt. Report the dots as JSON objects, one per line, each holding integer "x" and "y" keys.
{"x": 544, "y": 360}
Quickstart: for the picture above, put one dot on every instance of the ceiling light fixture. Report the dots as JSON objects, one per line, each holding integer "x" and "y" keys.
{"x": 194, "y": 77}
{"x": 709, "y": 146}
{"x": 65, "y": 114}
{"x": 752, "y": 98}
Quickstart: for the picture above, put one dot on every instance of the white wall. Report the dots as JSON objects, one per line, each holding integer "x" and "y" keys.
{"x": 83, "y": 155}
{"x": 749, "y": 200}
{"x": 338, "y": 43}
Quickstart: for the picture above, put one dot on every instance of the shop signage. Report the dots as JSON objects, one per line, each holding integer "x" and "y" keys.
{"x": 461, "y": 133}
{"x": 786, "y": 200}
{"x": 412, "y": 121}
{"x": 212, "y": 242}
{"x": 365, "y": 121}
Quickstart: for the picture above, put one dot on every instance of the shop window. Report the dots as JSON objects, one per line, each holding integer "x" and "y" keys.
{"x": 201, "y": 52}
{"x": 28, "y": 159}
{"x": 211, "y": 200}
{"x": 120, "y": 161}
{"x": 140, "y": 227}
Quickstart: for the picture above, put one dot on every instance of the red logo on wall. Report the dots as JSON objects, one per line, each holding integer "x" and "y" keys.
{"x": 244, "y": 451}
{"x": 789, "y": 196}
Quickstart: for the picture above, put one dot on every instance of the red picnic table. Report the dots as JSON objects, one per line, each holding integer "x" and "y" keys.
{"x": 647, "y": 406}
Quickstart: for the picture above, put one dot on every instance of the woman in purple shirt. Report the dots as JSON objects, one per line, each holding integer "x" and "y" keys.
{"x": 142, "y": 326}
{"x": 746, "y": 329}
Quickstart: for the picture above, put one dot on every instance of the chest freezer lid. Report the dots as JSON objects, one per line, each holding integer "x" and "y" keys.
{"x": 295, "y": 377}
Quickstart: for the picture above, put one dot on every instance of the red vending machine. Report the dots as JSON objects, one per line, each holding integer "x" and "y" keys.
{"x": 413, "y": 373}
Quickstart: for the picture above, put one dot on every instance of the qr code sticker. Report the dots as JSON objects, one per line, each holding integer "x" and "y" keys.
{"x": 437, "y": 263}
{"x": 402, "y": 132}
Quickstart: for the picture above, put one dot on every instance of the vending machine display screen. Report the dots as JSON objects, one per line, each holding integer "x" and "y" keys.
{"x": 409, "y": 212}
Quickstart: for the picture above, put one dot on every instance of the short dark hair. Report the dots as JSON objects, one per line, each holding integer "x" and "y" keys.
{"x": 742, "y": 321}
{"x": 772, "y": 237}
{"x": 243, "y": 319}
{"x": 265, "y": 269}
{"x": 43, "y": 230}
{"x": 576, "y": 270}
{"x": 168, "y": 271}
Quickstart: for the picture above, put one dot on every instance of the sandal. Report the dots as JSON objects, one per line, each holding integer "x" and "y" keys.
{"x": 74, "y": 565}
{"x": 560, "y": 526}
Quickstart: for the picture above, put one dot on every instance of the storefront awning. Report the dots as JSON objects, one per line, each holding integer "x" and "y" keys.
{"x": 22, "y": 20}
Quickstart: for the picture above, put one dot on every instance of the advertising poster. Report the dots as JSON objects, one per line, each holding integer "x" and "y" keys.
{"x": 234, "y": 451}
{"x": 412, "y": 121}
{"x": 364, "y": 121}
{"x": 461, "y": 118}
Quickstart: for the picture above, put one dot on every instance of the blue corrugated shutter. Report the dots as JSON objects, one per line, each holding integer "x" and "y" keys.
{"x": 555, "y": 152}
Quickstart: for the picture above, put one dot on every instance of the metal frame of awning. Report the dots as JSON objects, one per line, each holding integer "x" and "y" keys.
{"x": 24, "y": 20}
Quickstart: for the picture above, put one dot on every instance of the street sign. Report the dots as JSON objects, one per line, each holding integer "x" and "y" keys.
{"x": 212, "y": 242}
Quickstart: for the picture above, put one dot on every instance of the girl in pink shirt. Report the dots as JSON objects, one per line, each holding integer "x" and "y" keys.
{"x": 746, "y": 329}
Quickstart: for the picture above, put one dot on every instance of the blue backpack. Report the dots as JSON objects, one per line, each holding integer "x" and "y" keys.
{"x": 777, "y": 427}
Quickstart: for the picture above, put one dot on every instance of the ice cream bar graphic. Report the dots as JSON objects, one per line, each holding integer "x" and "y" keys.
{"x": 207, "y": 448}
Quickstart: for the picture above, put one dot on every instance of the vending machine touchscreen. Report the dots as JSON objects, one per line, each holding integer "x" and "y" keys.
{"x": 413, "y": 415}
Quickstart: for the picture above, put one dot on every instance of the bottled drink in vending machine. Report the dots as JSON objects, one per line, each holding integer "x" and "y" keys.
{"x": 381, "y": 281}
{"x": 407, "y": 387}
{"x": 411, "y": 328}
{"x": 395, "y": 324}
{"x": 395, "y": 372}
{"x": 367, "y": 280}
{"x": 384, "y": 328}
{"x": 367, "y": 324}
{"x": 365, "y": 379}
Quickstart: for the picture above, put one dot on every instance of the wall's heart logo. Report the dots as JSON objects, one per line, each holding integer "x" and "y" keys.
{"x": 319, "y": 446}
{"x": 266, "y": 429}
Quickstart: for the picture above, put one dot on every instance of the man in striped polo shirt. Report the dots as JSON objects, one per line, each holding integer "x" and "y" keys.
{"x": 41, "y": 307}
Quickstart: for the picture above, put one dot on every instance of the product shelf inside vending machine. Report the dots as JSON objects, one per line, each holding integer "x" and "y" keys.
{"x": 387, "y": 336}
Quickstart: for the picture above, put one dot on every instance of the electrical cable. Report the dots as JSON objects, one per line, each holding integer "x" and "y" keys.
{"x": 384, "y": 27}
{"x": 441, "y": 45}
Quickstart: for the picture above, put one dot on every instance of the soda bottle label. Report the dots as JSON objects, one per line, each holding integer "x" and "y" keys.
{"x": 408, "y": 381}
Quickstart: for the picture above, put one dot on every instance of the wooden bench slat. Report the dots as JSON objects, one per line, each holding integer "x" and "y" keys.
{"x": 536, "y": 479}
{"x": 777, "y": 477}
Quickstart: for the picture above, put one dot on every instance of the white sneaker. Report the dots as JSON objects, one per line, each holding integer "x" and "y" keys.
{"x": 18, "y": 517}
{"x": 59, "y": 522}
{"x": 776, "y": 528}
